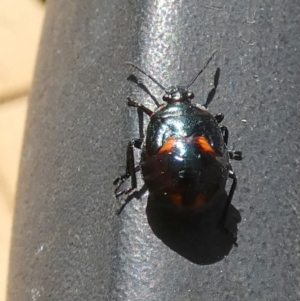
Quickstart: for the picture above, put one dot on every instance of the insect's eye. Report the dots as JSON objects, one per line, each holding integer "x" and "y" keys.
{"x": 191, "y": 95}
{"x": 166, "y": 97}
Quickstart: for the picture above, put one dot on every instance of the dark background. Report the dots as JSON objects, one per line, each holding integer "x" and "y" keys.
{"x": 68, "y": 244}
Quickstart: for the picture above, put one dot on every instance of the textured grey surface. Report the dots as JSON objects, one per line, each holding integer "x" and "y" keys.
{"x": 68, "y": 244}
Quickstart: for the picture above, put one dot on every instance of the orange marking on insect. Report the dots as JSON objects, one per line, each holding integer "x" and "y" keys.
{"x": 204, "y": 144}
{"x": 176, "y": 198}
{"x": 168, "y": 145}
{"x": 200, "y": 200}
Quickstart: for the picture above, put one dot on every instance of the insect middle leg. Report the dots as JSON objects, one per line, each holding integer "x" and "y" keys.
{"x": 225, "y": 133}
{"x": 228, "y": 202}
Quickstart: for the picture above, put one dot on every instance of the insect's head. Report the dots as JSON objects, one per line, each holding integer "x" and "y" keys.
{"x": 177, "y": 94}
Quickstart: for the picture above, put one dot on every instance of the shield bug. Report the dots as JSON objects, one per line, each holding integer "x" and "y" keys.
{"x": 184, "y": 161}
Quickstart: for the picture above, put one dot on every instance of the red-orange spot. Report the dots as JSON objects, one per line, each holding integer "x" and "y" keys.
{"x": 168, "y": 146}
{"x": 200, "y": 200}
{"x": 204, "y": 144}
{"x": 176, "y": 198}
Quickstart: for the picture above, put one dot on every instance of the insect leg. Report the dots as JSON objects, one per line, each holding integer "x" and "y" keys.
{"x": 219, "y": 117}
{"x": 230, "y": 195}
{"x": 136, "y": 104}
{"x": 130, "y": 169}
{"x": 235, "y": 155}
{"x": 227, "y": 205}
{"x": 225, "y": 133}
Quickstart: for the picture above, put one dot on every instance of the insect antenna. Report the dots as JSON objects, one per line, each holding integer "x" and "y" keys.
{"x": 148, "y": 75}
{"x": 210, "y": 58}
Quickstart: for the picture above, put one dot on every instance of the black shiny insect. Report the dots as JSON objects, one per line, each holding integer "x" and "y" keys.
{"x": 184, "y": 160}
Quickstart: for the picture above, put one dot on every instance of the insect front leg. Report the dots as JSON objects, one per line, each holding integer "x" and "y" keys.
{"x": 234, "y": 155}
{"x": 130, "y": 171}
{"x": 136, "y": 104}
